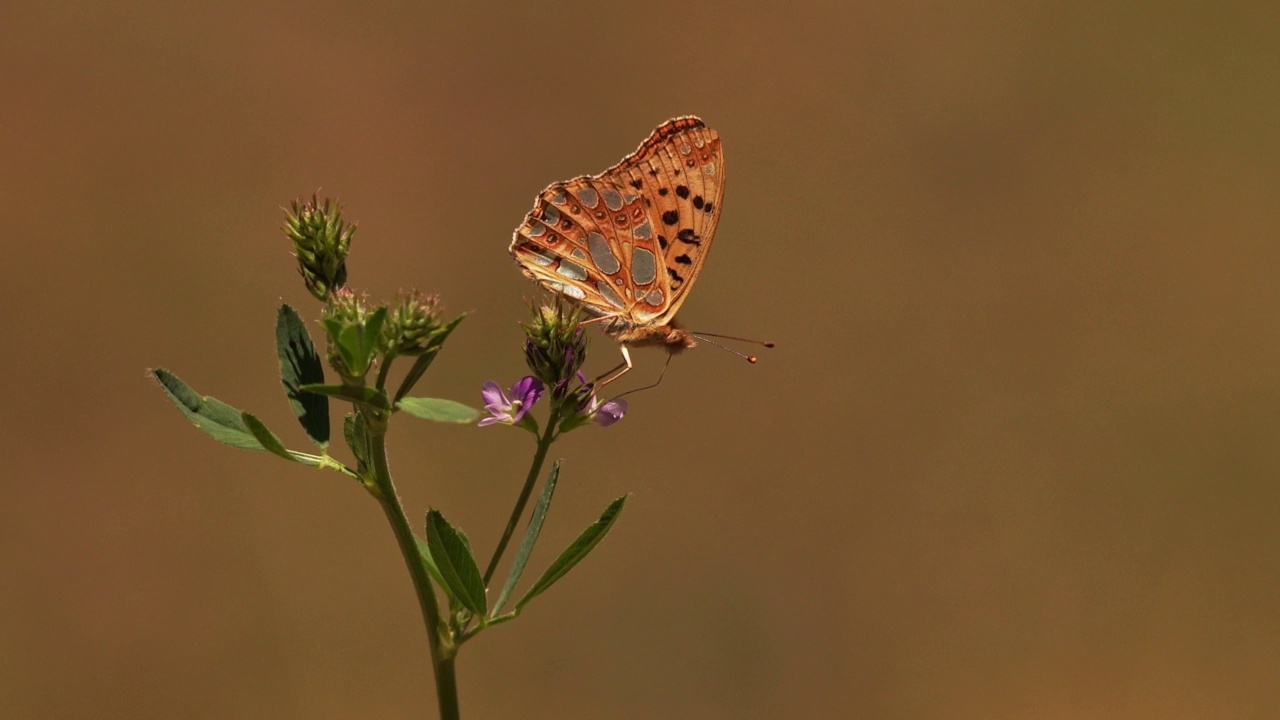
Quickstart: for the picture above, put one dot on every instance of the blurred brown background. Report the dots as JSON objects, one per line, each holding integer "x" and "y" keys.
{"x": 1015, "y": 456}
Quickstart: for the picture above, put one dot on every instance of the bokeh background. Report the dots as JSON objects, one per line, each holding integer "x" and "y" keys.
{"x": 1016, "y": 454}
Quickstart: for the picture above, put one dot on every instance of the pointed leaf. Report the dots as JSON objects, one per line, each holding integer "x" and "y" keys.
{"x": 451, "y": 552}
{"x": 439, "y": 409}
{"x": 425, "y": 359}
{"x": 373, "y": 330}
{"x": 576, "y": 551}
{"x": 530, "y": 537}
{"x": 356, "y": 432}
{"x": 268, "y": 439}
{"x": 424, "y": 554}
{"x": 214, "y": 417}
{"x": 365, "y": 395}
{"x": 300, "y": 365}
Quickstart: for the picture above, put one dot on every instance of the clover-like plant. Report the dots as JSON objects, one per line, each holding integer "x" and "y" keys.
{"x": 362, "y": 342}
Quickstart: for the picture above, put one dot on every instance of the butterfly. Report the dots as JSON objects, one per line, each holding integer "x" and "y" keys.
{"x": 628, "y": 244}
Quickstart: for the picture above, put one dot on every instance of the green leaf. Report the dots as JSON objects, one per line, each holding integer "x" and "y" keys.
{"x": 268, "y": 439}
{"x": 373, "y": 335}
{"x": 576, "y": 551}
{"x": 366, "y": 395}
{"x": 356, "y": 432}
{"x": 214, "y": 417}
{"x": 424, "y": 554}
{"x": 439, "y": 409}
{"x": 357, "y": 343}
{"x": 530, "y": 537}
{"x": 426, "y": 358}
{"x": 456, "y": 564}
{"x": 300, "y": 365}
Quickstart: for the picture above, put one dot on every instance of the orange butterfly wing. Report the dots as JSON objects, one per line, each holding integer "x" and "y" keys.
{"x": 630, "y": 241}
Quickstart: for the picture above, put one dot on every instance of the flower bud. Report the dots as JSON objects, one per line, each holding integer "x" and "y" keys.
{"x": 412, "y": 323}
{"x": 321, "y": 241}
{"x": 555, "y": 344}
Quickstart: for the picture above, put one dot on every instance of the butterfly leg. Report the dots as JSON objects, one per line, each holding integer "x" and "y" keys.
{"x": 618, "y": 371}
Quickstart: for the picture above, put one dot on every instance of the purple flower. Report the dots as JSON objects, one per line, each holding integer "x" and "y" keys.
{"x": 608, "y": 413}
{"x": 510, "y": 410}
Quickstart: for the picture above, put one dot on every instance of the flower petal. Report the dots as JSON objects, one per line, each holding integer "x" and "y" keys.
{"x": 610, "y": 412}
{"x": 492, "y": 394}
{"x": 527, "y": 390}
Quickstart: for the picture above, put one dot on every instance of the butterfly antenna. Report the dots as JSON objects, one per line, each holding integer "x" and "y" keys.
{"x": 706, "y": 337}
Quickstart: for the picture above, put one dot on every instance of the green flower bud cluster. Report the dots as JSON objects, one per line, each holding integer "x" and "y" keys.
{"x": 321, "y": 241}
{"x": 555, "y": 342}
{"x": 413, "y": 322}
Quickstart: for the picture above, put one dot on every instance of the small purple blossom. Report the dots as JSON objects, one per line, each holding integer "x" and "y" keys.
{"x": 608, "y": 413}
{"x": 509, "y": 410}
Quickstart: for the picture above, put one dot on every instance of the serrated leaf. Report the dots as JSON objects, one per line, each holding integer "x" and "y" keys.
{"x": 214, "y": 417}
{"x": 576, "y": 551}
{"x": 426, "y": 358}
{"x": 366, "y": 395}
{"x": 301, "y": 365}
{"x": 530, "y": 537}
{"x": 439, "y": 410}
{"x": 451, "y": 552}
{"x": 268, "y": 439}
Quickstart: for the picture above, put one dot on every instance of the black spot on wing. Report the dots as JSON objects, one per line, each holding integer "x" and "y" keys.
{"x": 670, "y": 217}
{"x": 684, "y": 260}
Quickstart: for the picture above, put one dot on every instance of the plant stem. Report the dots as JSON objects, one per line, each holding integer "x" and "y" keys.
{"x": 439, "y": 637}
{"x": 544, "y": 444}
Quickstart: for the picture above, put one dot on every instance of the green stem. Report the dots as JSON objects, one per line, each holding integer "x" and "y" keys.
{"x": 544, "y": 444}
{"x": 439, "y": 637}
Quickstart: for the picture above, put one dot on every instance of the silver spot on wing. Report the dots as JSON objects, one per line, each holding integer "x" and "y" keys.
{"x": 589, "y": 197}
{"x": 536, "y": 228}
{"x": 654, "y": 297}
{"x": 643, "y": 231}
{"x": 601, "y": 254}
{"x": 572, "y": 291}
{"x": 644, "y": 267}
{"x": 572, "y": 270}
{"x": 536, "y": 256}
{"x": 612, "y": 199}
{"x": 711, "y": 168}
{"x": 558, "y": 196}
{"x": 610, "y": 295}
{"x": 550, "y": 215}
